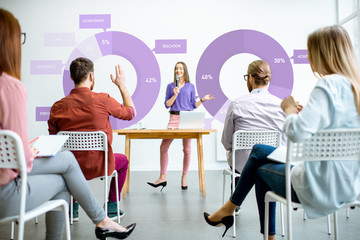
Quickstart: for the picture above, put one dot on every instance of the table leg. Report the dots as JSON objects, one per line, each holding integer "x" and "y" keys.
{"x": 126, "y": 186}
{"x": 201, "y": 165}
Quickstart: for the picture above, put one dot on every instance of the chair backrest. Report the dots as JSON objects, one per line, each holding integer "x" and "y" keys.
{"x": 85, "y": 141}
{"x": 333, "y": 144}
{"x": 11, "y": 151}
{"x": 12, "y": 156}
{"x": 325, "y": 145}
{"x": 247, "y": 139}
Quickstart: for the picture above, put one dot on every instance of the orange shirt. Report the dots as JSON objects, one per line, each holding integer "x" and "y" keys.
{"x": 84, "y": 110}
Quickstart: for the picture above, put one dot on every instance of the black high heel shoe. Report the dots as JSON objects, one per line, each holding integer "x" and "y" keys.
{"x": 184, "y": 187}
{"x": 103, "y": 233}
{"x": 163, "y": 184}
{"x": 228, "y": 221}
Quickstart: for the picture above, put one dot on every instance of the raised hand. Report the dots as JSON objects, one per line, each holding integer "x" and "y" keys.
{"x": 119, "y": 80}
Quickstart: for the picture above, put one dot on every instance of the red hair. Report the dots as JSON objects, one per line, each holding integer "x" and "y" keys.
{"x": 10, "y": 44}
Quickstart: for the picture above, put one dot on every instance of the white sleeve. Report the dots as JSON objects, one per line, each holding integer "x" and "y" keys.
{"x": 316, "y": 115}
{"x": 228, "y": 130}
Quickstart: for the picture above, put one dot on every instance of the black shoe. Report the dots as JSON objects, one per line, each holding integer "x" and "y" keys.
{"x": 163, "y": 184}
{"x": 184, "y": 187}
{"x": 103, "y": 233}
{"x": 228, "y": 221}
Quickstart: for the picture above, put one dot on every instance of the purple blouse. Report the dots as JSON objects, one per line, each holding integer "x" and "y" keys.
{"x": 185, "y": 100}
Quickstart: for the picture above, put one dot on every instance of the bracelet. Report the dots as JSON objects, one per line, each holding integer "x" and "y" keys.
{"x": 201, "y": 100}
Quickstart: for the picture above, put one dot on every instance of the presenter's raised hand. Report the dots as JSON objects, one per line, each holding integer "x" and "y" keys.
{"x": 208, "y": 97}
{"x": 119, "y": 79}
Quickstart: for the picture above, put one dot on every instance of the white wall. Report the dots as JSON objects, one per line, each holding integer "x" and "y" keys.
{"x": 199, "y": 22}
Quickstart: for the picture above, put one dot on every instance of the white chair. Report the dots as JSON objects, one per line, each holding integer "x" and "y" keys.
{"x": 326, "y": 145}
{"x": 12, "y": 156}
{"x": 246, "y": 140}
{"x": 92, "y": 141}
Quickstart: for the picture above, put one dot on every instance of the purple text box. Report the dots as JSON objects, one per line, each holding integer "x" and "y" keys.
{"x": 300, "y": 56}
{"x": 59, "y": 39}
{"x": 95, "y": 21}
{"x": 46, "y": 67}
{"x": 42, "y": 113}
{"x": 170, "y": 46}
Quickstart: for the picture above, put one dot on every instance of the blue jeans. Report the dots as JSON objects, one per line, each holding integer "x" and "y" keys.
{"x": 266, "y": 175}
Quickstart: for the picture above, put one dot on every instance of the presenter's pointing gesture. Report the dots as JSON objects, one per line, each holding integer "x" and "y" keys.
{"x": 208, "y": 97}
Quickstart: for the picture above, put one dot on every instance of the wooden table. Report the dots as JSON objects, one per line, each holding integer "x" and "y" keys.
{"x": 165, "y": 134}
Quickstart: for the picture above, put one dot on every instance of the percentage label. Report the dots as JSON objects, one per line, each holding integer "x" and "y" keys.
{"x": 206, "y": 77}
{"x": 279, "y": 60}
{"x": 105, "y": 42}
{"x": 150, "y": 80}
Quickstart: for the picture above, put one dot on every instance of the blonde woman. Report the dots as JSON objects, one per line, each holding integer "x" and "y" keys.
{"x": 334, "y": 103}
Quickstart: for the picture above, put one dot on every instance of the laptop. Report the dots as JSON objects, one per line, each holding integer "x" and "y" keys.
{"x": 191, "y": 120}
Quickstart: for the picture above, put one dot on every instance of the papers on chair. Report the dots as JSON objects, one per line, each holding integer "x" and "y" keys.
{"x": 279, "y": 154}
{"x": 49, "y": 145}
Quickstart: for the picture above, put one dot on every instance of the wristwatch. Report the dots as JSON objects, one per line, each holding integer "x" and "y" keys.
{"x": 201, "y": 100}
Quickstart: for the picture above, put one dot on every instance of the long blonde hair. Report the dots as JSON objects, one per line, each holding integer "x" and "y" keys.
{"x": 330, "y": 51}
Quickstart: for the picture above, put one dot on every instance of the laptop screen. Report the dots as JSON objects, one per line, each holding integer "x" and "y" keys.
{"x": 191, "y": 120}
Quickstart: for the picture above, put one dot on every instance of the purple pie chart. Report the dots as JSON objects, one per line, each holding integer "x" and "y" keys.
{"x": 237, "y": 42}
{"x": 137, "y": 53}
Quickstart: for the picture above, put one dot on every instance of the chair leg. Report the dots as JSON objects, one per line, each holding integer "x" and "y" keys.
{"x": 266, "y": 222}
{"x": 347, "y": 212}
{"x": 224, "y": 180}
{"x": 304, "y": 216}
{"x": 21, "y": 230}
{"x": 67, "y": 225}
{"x": 234, "y": 226}
{"x": 12, "y": 230}
{"x": 105, "y": 194}
{"x": 71, "y": 209}
{"x": 36, "y": 220}
{"x": 336, "y": 233}
{"x": 282, "y": 220}
{"x": 328, "y": 224}
{"x": 117, "y": 197}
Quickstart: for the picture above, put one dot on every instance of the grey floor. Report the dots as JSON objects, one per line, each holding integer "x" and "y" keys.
{"x": 177, "y": 214}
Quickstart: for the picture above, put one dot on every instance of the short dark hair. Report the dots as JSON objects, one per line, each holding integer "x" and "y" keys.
{"x": 80, "y": 69}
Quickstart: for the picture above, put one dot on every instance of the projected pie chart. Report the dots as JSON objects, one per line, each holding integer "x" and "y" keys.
{"x": 237, "y": 42}
{"x": 137, "y": 53}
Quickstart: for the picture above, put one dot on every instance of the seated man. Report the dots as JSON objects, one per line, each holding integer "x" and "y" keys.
{"x": 85, "y": 110}
{"x": 258, "y": 110}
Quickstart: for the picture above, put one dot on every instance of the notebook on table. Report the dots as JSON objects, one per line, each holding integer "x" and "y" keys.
{"x": 191, "y": 120}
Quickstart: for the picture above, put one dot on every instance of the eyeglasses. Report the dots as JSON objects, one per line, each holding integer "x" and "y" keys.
{"x": 246, "y": 77}
{"x": 23, "y": 38}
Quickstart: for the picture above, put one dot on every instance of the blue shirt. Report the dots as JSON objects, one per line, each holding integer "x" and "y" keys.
{"x": 323, "y": 187}
{"x": 185, "y": 100}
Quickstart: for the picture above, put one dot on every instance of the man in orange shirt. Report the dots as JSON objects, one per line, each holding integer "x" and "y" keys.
{"x": 85, "y": 110}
